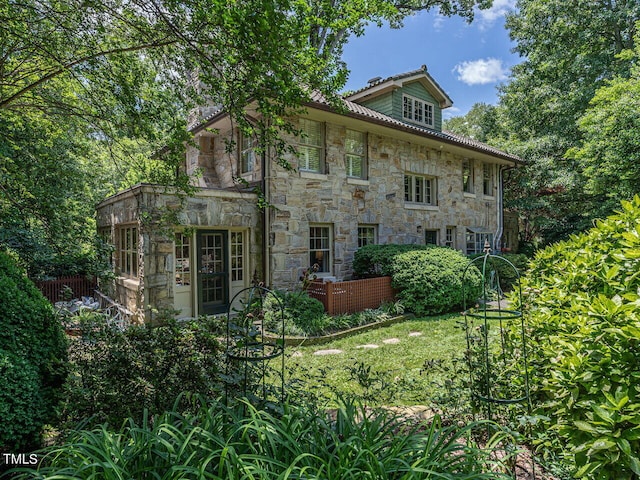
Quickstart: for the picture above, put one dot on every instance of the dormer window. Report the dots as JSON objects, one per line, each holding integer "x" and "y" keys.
{"x": 417, "y": 111}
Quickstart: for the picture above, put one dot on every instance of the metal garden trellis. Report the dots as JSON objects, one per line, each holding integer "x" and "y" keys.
{"x": 493, "y": 374}
{"x": 488, "y": 353}
{"x": 246, "y": 346}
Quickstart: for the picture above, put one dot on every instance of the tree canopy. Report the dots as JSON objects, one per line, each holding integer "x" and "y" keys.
{"x": 90, "y": 90}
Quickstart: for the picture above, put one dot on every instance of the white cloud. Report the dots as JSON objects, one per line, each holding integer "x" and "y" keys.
{"x": 481, "y": 72}
{"x": 450, "y": 113}
{"x": 499, "y": 9}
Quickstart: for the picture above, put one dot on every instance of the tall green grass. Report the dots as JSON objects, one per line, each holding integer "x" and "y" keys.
{"x": 218, "y": 442}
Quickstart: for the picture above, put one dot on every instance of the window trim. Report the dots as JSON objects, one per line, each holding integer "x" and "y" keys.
{"x": 450, "y": 236}
{"x": 241, "y": 152}
{"x": 328, "y": 249}
{"x": 185, "y": 273}
{"x": 418, "y": 195}
{"x": 363, "y": 157}
{"x": 412, "y": 111}
{"x": 435, "y": 231}
{"x": 302, "y": 142}
{"x": 477, "y": 241}
{"x": 361, "y": 237}
{"x": 491, "y": 180}
{"x": 127, "y": 260}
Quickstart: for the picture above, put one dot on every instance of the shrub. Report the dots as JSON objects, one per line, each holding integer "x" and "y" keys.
{"x": 582, "y": 297}
{"x": 303, "y": 315}
{"x": 430, "y": 280}
{"x": 120, "y": 374}
{"x": 32, "y": 359}
{"x": 303, "y": 442}
{"x": 377, "y": 260}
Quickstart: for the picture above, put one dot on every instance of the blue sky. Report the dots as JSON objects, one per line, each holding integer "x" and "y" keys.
{"x": 468, "y": 60}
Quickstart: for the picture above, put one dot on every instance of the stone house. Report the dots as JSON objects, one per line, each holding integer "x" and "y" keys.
{"x": 379, "y": 171}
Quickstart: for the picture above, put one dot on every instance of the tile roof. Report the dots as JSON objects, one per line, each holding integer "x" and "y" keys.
{"x": 379, "y": 81}
{"x": 357, "y": 110}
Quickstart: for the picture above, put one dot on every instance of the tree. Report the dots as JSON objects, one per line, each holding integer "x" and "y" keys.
{"x": 610, "y": 151}
{"x": 570, "y": 49}
{"x": 119, "y": 78}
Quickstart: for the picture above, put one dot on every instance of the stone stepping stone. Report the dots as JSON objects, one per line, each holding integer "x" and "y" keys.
{"x": 296, "y": 354}
{"x": 415, "y": 334}
{"x": 369, "y": 345}
{"x": 391, "y": 341}
{"x": 328, "y": 352}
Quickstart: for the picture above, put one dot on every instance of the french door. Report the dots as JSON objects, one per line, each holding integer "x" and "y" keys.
{"x": 213, "y": 272}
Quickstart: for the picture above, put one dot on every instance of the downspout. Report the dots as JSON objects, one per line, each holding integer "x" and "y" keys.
{"x": 266, "y": 225}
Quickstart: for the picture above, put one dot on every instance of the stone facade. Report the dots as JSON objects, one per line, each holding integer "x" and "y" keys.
{"x": 342, "y": 203}
{"x": 143, "y": 207}
{"x": 403, "y": 164}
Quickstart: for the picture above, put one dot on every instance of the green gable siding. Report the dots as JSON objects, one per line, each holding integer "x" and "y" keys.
{"x": 416, "y": 90}
{"x": 382, "y": 104}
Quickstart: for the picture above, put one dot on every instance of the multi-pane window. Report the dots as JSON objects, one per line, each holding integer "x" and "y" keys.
{"x": 431, "y": 237}
{"x": 417, "y": 111}
{"x": 366, "y": 235}
{"x": 237, "y": 256}
{"x": 247, "y": 154}
{"x": 477, "y": 240}
{"x": 419, "y": 189}
{"x": 355, "y": 153}
{"x": 487, "y": 179}
{"x": 467, "y": 175}
{"x": 128, "y": 251}
{"x": 311, "y": 145}
{"x": 183, "y": 259}
{"x": 320, "y": 248}
{"x": 450, "y": 237}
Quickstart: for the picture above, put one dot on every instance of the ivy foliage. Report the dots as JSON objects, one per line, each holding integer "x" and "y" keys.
{"x": 582, "y": 299}
{"x": 32, "y": 359}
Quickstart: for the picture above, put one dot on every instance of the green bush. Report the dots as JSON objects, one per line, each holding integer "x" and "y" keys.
{"x": 582, "y": 299}
{"x": 32, "y": 359}
{"x": 430, "y": 280}
{"x": 303, "y": 315}
{"x": 217, "y": 442}
{"x": 377, "y": 260}
{"x": 120, "y": 374}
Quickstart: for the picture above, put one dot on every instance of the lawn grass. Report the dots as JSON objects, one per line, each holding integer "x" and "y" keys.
{"x": 400, "y": 373}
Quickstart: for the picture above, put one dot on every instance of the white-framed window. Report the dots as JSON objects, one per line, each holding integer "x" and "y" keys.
{"x": 236, "y": 245}
{"x": 355, "y": 154}
{"x": 420, "y": 189}
{"x": 320, "y": 247}
{"x": 488, "y": 176}
{"x": 127, "y": 258}
{"x": 431, "y": 237}
{"x": 183, "y": 259}
{"x": 450, "y": 237}
{"x": 476, "y": 240}
{"x": 467, "y": 175}
{"x": 367, "y": 235}
{"x": 247, "y": 153}
{"x": 311, "y": 146}
{"x": 417, "y": 111}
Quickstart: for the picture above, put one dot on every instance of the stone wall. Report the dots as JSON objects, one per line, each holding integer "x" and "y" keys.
{"x": 209, "y": 209}
{"x": 333, "y": 199}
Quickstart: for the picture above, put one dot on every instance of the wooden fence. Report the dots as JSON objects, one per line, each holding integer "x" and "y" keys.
{"x": 80, "y": 285}
{"x": 353, "y": 296}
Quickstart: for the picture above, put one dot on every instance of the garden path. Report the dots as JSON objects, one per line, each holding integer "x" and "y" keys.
{"x": 388, "y": 341}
